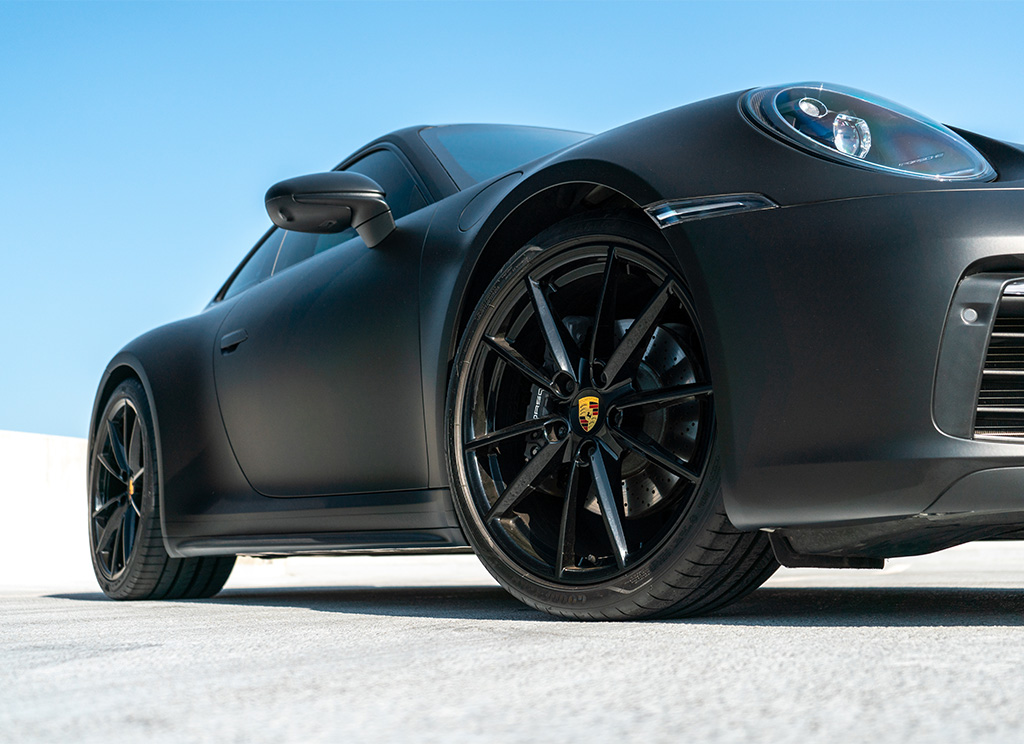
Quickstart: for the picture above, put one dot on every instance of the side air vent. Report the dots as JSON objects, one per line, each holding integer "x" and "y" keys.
{"x": 1000, "y": 408}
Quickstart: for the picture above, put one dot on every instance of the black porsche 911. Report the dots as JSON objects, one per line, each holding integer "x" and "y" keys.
{"x": 633, "y": 372}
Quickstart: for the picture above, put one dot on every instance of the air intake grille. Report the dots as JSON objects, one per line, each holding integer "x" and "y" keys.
{"x": 1000, "y": 410}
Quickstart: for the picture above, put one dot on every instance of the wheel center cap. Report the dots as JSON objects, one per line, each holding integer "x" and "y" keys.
{"x": 589, "y": 411}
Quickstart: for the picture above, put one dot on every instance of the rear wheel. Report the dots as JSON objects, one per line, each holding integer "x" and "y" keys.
{"x": 125, "y": 537}
{"x": 581, "y": 433}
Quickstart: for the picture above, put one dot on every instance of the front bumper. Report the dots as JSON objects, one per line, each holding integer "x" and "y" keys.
{"x": 824, "y": 324}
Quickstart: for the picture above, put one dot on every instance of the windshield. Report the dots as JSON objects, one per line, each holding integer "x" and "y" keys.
{"x": 472, "y": 153}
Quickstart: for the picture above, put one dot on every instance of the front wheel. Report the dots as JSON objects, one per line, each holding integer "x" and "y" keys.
{"x": 125, "y": 537}
{"x": 581, "y": 433}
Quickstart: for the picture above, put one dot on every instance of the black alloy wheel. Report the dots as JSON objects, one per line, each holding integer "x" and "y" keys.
{"x": 582, "y": 426}
{"x": 125, "y": 537}
{"x": 121, "y": 482}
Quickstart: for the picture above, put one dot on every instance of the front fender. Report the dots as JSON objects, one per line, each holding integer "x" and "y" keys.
{"x": 174, "y": 363}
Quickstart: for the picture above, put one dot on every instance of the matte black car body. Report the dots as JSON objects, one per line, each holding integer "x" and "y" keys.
{"x": 845, "y": 396}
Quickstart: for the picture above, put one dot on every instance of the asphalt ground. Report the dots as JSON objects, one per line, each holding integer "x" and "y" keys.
{"x": 430, "y": 649}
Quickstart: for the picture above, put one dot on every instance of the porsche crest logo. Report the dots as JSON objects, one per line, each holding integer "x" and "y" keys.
{"x": 589, "y": 408}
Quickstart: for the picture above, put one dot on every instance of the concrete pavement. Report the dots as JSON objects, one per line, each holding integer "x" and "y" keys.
{"x": 429, "y": 649}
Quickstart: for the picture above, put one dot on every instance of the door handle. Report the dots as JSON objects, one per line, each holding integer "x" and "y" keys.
{"x": 230, "y": 341}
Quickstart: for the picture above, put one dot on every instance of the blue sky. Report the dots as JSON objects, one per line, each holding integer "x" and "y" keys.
{"x": 138, "y": 138}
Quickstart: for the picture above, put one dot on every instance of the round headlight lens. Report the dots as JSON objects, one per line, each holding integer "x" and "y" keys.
{"x": 854, "y": 127}
{"x": 851, "y": 136}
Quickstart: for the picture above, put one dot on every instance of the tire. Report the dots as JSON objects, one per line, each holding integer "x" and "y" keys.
{"x": 581, "y": 433}
{"x": 125, "y": 538}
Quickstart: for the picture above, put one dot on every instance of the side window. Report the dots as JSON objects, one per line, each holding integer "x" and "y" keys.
{"x": 300, "y": 246}
{"x": 400, "y": 191}
{"x": 259, "y": 266}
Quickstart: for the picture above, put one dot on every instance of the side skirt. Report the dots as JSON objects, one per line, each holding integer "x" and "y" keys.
{"x": 251, "y": 524}
{"x": 442, "y": 540}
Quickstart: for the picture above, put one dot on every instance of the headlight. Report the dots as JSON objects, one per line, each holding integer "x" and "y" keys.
{"x": 853, "y": 127}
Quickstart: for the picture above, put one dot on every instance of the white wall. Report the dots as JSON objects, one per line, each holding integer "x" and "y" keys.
{"x": 44, "y": 542}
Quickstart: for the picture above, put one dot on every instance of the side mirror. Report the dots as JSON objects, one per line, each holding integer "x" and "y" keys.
{"x": 329, "y": 203}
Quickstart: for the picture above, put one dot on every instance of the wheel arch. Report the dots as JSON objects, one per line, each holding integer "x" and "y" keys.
{"x": 458, "y": 279}
{"x": 122, "y": 367}
{"x": 565, "y": 190}
{"x": 125, "y": 366}
{"x": 194, "y": 461}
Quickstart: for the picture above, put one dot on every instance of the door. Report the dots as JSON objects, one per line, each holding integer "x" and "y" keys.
{"x": 318, "y": 367}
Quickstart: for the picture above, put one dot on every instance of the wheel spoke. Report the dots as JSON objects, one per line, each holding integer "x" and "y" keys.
{"x": 508, "y": 432}
{"x": 128, "y": 532}
{"x": 566, "y": 551}
{"x": 135, "y": 448}
{"x": 639, "y": 333}
{"x": 107, "y": 504}
{"x": 122, "y": 537}
{"x": 550, "y": 327}
{"x": 112, "y": 528}
{"x": 134, "y": 506}
{"x": 645, "y": 446}
{"x": 125, "y": 433}
{"x": 102, "y": 459}
{"x": 115, "y": 545}
{"x": 605, "y": 304}
{"x": 608, "y": 497}
{"x": 515, "y": 360}
{"x": 520, "y": 486}
{"x": 117, "y": 447}
{"x": 663, "y": 396}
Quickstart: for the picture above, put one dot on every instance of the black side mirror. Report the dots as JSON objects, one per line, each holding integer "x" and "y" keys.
{"x": 329, "y": 203}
